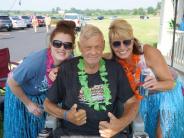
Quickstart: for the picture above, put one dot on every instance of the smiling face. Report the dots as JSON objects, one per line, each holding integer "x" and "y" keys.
{"x": 123, "y": 50}
{"x": 60, "y": 54}
{"x": 92, "y": 49}
{"x": 121, "y": 38}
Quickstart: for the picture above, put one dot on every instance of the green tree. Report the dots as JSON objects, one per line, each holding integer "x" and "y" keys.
{"x": 58, "y": 9}
{"x": 150, "y": 10}
{"x": 135, "y": 11}
{"x": 158, "y": 7}
{"x": 141, "y": 11}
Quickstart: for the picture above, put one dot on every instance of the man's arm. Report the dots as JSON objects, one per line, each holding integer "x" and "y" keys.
{"x": 53, "y": 109}
{"x": 130, "y": 111}
{"x": 77, "y": 117}
{"x": 109, "y": 129}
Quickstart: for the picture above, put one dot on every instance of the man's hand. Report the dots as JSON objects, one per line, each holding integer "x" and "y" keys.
{"x": 109, "y": 129}
{"x": 77, "y": 117}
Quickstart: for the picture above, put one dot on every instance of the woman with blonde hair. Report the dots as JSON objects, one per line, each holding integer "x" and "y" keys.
{"x": 162, "y": 108}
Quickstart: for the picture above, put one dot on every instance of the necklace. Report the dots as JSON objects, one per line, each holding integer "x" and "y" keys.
{"x": 133, "y": 72}
{"x": 83, "y": 79}
{"x": 49, "y": 64}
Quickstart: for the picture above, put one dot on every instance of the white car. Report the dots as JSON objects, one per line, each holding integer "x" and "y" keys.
{"x": 17, "y": 22}
{"x": 77, "y": 18}
{"x": 27, "y": 19}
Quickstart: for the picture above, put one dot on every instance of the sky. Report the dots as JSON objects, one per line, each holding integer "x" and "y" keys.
{"x": 47, "y": 5}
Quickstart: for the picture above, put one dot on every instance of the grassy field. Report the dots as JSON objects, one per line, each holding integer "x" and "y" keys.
{"x": 147, "y": 31}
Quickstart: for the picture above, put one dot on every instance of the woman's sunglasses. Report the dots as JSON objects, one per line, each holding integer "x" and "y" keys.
{"x": 117, "y": 44}
{"x": 58, "y": 44}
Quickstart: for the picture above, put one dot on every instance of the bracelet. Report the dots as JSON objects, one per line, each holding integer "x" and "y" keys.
{"x": 65, "y": 115}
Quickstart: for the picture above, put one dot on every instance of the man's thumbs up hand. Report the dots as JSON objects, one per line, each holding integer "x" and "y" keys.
{"x": 111, "y": 128}
{"x": 77, "y": 117}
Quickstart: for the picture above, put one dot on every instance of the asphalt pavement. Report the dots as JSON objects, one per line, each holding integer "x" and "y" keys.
{"x": 22, "y": 42}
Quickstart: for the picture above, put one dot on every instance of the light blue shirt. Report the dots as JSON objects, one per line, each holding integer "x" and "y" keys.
{"x": 31, "y": 73}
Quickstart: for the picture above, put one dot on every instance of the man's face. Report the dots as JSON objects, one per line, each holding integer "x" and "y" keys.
{"x": 92, "y": 49}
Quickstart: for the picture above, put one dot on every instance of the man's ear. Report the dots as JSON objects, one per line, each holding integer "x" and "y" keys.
{"x": 104, "y": 45}
{"x": 78, "y": 43}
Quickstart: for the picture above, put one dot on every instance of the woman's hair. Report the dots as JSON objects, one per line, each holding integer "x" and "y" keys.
{"x": 119, "y": 29}
{"x": 66, "y": 27}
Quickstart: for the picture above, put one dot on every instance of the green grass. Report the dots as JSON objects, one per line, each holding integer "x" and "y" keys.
{"x": 147, "y": 31}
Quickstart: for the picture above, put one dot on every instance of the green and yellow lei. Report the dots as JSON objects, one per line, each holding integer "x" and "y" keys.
{"x": 83, "y": 79}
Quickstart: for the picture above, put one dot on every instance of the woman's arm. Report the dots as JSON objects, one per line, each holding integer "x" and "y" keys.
{"x": 17, "y": 90}
{"x": 154, "y": 60}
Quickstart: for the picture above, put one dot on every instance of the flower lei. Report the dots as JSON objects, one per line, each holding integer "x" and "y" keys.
{"x": 133, "y": 73}
{"x": 83, "y": 79}
{"x": 49, "y": 64}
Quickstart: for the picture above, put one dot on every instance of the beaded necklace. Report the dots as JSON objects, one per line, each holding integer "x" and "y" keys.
{"x": 83, "y": 79}
{"x": 133, "y": 72}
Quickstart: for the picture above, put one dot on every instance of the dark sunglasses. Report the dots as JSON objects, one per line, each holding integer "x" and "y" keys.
{"x": 117, "y": 44}
{"x": 58, "y": 44}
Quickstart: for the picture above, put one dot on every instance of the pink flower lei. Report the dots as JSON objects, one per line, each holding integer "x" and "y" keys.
{"x": 49, "y": 66}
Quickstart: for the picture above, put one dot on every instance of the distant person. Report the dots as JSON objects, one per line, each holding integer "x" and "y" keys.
{"x": 48, "y": 22}
{"x": 94, "y": 92}
{"x": 28, "y": 84}
{"x": 181, "y": 25}
{"x": 35, "y": 23}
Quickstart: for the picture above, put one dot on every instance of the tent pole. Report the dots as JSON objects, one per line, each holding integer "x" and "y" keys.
{"x": 174, "y": 32}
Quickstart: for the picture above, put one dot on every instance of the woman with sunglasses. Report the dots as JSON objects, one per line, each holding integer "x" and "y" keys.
{"x": 28, "y": 84}
{"x": 162, "y": 108}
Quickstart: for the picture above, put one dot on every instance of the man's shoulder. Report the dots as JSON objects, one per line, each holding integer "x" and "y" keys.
{"x": 112, "y": 64}
{"x": 70, "y": 63}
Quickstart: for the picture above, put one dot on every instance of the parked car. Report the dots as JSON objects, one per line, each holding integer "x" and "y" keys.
{"x": 87, "y": 18}
{"x": 144, "y": 17}
{"x": 100, "y": 17}
{"x": 113, "y": 17}
{"x": 77, "y": 18}
{"x": 41, "y": 21}
{"x": 27, "y": 19}
{"x": 5, "y": 23}
{"x": 18, "y": 23}
{"x": 55, "y": 19}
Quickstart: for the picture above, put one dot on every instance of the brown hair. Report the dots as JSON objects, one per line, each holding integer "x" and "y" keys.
{"x": 66, "y": 27}
{"x": 120, "y": 28}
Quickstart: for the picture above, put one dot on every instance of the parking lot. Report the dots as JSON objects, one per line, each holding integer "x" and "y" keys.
{"x": 23, "y": 42}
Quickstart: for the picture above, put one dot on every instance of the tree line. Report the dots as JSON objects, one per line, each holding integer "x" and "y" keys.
{"x": 96, "y": 12}
{"x": 93, "y": 12}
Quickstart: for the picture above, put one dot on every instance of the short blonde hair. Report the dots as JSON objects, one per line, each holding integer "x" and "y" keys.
{"x": 89, "y": 31}
{"x": 120, "y": 28}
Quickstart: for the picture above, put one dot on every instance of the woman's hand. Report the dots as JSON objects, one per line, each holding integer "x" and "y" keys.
{"x": 34, "y": 109}
{"x": 53, "y": 73}
{"x": 151, "y": 83}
